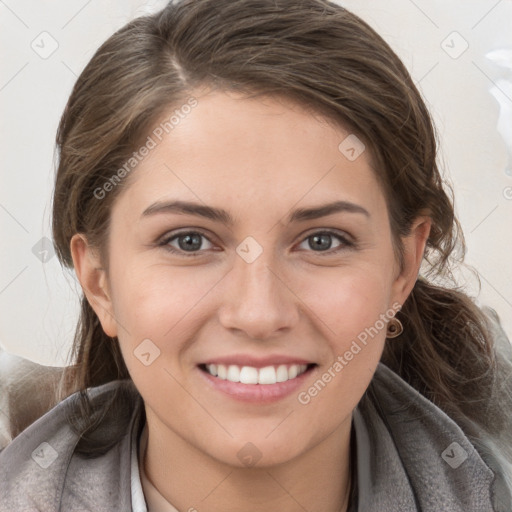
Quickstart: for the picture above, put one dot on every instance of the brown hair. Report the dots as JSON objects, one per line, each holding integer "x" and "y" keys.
{"x": 328, "y": 60}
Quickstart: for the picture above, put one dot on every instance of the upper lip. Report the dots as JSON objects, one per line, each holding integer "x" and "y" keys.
{"x": 256, "y": 362}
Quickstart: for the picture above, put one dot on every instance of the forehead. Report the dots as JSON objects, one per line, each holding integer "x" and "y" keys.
{"x": 273, "y": 151}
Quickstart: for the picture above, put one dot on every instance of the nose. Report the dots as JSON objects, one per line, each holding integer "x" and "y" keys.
{"x": 257, "y": 301}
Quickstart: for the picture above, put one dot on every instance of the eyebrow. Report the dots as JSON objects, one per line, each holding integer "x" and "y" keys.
{"x": 221, "y": 215}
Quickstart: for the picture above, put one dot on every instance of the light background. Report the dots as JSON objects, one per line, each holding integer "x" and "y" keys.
{"x": 469, "y": 93}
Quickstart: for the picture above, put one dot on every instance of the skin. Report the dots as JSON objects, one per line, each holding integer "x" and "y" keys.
{"x": 259, "y": 159}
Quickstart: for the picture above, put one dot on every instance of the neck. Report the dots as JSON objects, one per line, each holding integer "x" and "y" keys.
{"x": 191, "y": 480}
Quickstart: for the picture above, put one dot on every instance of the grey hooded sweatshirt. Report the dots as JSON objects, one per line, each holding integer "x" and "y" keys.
{"x": 410, "y": 456}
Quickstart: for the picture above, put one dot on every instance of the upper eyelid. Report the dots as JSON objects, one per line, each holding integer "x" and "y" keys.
{"x": 185, "y": 231}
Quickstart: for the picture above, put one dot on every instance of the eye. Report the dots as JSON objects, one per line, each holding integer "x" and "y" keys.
{"x": 190, "y": 243}
{"x": 187, "y": 241}
{"x": 321, "y": 241}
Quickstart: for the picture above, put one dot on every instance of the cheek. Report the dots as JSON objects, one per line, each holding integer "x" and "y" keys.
{"x": 354, "y": 307}
{"x": 154, "y": 302}
{"x": 158, "y": 311}
{"x": 351, "y": 301}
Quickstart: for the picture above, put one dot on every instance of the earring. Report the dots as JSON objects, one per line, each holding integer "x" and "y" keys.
{"x": 394, "y": 328}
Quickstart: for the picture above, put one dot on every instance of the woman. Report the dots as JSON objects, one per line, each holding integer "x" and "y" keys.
{"x": 246, "y": 191}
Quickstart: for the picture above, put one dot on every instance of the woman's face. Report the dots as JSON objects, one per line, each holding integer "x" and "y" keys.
{"x": 251, "y": 272}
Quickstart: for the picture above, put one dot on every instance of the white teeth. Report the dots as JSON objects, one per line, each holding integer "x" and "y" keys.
{"x": 222, "y": 372}
{"x": 267, "y": 375}
{"x": 233, "y": 373}
{"x": 282, "y": 373}
{"x": 251, "y": 375}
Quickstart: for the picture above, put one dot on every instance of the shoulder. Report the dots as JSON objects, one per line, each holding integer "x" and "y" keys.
{"x": 41, "y": 466}
{"x": 415, "y": 448}
{"x": 27, "y": 391}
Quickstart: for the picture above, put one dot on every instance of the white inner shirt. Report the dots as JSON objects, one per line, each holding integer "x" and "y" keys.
{"x": 145, "y": 496}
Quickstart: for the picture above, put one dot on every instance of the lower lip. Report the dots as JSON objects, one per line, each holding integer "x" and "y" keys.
{"x": 257, "y": 393}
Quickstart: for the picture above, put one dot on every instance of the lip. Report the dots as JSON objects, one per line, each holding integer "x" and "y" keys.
{"x": 257, "y": 393}
{"x": 256, "y": 362}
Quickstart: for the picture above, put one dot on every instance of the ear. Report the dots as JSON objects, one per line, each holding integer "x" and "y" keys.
{"x": 93, "y": 279}
{"x": 414, "y": 248}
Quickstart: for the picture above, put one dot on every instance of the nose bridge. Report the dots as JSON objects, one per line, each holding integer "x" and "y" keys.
{"x": 256, "y": 300}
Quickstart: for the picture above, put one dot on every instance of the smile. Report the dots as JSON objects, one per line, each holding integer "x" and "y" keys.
{"x": 251, "y": 375}
{"x": 260, "y": 380}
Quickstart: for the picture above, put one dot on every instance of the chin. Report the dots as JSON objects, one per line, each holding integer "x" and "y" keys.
{"x": 256, "y": 451}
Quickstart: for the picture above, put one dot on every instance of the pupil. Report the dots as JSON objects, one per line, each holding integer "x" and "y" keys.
{"x": 318, "y": 239}
{"x": 190, "y": 241}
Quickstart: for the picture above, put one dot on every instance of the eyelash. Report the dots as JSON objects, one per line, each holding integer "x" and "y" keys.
{"x": 346, "y": 244}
